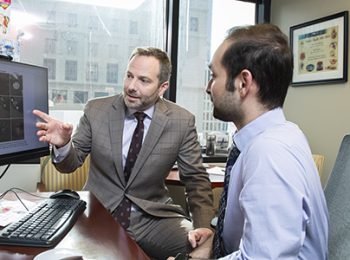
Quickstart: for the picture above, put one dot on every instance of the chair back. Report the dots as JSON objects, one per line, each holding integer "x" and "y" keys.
{"x": 337, "y": 192}
{"x": 53, "y": 180}
{"x": 319, "y": 161}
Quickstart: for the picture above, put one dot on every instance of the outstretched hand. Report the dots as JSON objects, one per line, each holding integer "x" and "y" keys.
{"x": 52, "y": 130}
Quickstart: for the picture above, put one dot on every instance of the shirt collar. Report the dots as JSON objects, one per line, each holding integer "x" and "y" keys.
{"x": 149, "y": 112}
{"x": 245, "y": 135}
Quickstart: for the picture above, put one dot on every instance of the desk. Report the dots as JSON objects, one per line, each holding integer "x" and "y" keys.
{"x": 217, "y": 181}
{"x": 95, "y": 234}
{"x": 177, "y": 191}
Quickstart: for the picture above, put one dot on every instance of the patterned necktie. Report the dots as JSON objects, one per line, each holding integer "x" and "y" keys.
{"x": 218, "y": 243}
{"x": 122, "y": 212}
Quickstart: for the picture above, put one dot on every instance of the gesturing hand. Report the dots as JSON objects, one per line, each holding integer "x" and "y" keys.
{"x": 52, "y": 130}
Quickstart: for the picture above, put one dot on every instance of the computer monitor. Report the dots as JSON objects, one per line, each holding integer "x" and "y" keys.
{"x": 23, "y": 87}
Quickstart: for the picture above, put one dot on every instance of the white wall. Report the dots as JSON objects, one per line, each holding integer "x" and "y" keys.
{"x": 321, "y": 111}
{"x": 24, "y": 176}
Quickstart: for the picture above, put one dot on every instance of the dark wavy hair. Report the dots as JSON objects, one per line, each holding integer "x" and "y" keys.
{"x": 161, "y": 56}
{"x": 263, "y": 50}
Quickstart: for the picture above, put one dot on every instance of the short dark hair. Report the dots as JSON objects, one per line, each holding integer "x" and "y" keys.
{"x": 161, "y": 56}
{"x": 263, "y": 50}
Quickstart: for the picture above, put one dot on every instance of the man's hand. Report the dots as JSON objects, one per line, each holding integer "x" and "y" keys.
{"x": 198, "y": 236}
{"x": 52, "y": 130}
{"x": 201, "y": 240}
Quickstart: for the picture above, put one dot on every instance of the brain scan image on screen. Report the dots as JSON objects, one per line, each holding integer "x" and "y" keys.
{"x": 11, "y": 107}
{"x": 23, "y": 88}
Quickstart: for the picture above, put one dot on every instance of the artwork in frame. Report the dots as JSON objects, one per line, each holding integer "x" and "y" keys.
{"x": 320, "y": 50}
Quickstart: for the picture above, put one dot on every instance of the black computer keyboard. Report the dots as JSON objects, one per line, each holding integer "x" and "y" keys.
{"x": 45, "y": 225}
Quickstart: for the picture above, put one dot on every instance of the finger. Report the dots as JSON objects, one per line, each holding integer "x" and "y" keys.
{"x": 44, "y": 138}
{"x": 192, "y": 239}
{"x": 41, "y": 133}
{"x": 41, "y": 125}
{"x": 42, "y": 115}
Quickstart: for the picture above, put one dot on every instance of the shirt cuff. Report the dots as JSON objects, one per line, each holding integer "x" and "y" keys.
{"x": 61, "y": 153}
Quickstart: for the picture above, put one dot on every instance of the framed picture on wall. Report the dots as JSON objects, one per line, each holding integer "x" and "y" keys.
{"x": 320, "y": 50}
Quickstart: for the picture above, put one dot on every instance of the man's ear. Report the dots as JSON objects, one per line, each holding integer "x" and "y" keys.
{"x": 245, "y": 78}
{"x": 163, "y": 87}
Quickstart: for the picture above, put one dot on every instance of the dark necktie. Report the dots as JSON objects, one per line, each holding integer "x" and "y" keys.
{"x": 122, "y": 212}
{"x": 218, "y": 243}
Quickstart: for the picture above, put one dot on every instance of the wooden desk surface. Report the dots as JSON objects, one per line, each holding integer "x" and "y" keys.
{"x": 217, "y": 181}
{"x": 95, "y": 234}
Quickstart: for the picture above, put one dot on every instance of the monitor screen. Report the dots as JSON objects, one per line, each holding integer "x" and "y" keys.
{"x": 23, "y": 87}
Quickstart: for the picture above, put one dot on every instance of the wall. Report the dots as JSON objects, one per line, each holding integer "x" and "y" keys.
{"x": 24, "y": 176}
{"x": 322, "y": 111}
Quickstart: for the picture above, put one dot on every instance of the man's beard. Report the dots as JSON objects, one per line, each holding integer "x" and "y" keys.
{"x": 223, "y": 116}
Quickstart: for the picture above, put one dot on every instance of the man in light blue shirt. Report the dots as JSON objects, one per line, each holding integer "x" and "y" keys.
{"x": 275, "y": 204}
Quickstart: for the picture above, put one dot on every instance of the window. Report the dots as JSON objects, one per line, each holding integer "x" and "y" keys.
{"x": 94, "y": 33}
{"x": 92, "y": 71}
{"x": 80, "y": 97}
{"x": 194, "y": 24}
{"x": 59, "y": 96}
{"x": 51, "y": 17}
{"x": 202, "y": 27}
{"x": 133, "y": 27}
{"x": 71, "y": 70}
{"x": 50, "y": 64}
{"x": 72, "y": 20}
{"x": 50, "y": 46}
{"x": 93, "y": 23}
{"x": 112, "y": 73}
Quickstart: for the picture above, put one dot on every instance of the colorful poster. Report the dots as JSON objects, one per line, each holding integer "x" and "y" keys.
{"x": 318, "y": 51}
{"x": 4, "y": 15}
{"x": 5, "y": 3}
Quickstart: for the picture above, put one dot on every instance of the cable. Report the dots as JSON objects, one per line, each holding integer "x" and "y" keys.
{"x": 3, "y": 173}
{"x": 17, "y": 196}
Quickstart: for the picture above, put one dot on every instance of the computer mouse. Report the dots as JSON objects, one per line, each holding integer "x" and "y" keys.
{"x": 59, "y": 254}
{"x": 65, "y": 194}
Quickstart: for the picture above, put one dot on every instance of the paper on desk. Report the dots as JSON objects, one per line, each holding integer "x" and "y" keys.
{"x": 13, "y": 210}
{"x": 216, "y": 170}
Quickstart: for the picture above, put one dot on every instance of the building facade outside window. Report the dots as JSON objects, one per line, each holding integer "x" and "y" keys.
{"x": 202, "y": 27}
{"x": 71, "y": 70}
{"x": 86, "y": 46}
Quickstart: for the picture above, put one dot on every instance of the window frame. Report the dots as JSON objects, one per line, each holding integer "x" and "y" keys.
{"x": 172, "y": 15}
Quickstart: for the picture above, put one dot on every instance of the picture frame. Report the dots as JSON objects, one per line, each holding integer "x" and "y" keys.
{"x": 320, "y": 50}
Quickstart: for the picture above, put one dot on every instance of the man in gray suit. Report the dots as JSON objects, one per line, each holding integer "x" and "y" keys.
{"x": 105, "y": 131}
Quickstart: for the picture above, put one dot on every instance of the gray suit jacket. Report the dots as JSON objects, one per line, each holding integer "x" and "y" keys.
{"x": 171, "y": 137}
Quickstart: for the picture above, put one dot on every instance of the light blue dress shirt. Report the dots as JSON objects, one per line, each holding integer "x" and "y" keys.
{"x": 276, "y": 207}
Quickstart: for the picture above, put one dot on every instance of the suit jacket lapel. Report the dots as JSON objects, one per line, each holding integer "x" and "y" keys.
{"x": 159, "y": 121}
{"x": 116, "y": 125}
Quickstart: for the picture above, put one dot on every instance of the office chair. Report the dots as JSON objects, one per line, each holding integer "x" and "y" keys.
{"x": 53, "y": 180}
{"x": 337, "y": 194}
{"x": 319, "y": 161}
